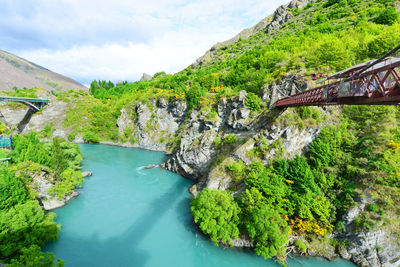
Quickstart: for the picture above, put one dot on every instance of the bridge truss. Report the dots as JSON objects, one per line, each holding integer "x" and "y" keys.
{"x": 365, "y": 84}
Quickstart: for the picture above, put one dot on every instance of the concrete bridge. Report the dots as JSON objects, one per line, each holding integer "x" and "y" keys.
{"x": 34, "y": 105}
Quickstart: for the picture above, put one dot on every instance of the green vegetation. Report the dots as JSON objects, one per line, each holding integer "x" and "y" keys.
{"x": 230, "y": 139}
{"x": 387, "y": 17}
{"x": 309, "y": 194}
{"x": 25, "y": 92}
{"x": 217, "y": 215}
{"x": 357, "y": 154}
{"x": 253, "y": 102}
{"x": 24, "y": 225}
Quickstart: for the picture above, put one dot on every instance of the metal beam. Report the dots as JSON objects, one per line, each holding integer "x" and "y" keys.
{"x": 374, "y": 86}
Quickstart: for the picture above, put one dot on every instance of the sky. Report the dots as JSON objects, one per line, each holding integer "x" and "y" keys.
{"x": 122, "y": 39}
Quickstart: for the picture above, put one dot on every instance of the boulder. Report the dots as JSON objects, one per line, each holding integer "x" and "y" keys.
{"x": 151, "y": 166}
{"x": 86, "y": 174}
{"x": 146, "y": 77}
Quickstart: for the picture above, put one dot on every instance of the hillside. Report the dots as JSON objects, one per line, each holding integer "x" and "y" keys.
{"x": 307, "y": 180}
{"x": 18, "y": 72}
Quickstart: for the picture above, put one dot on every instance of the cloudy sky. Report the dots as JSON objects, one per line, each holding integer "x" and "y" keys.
{"x": 121, "y": 39}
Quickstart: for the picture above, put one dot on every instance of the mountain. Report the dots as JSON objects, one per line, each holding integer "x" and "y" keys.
{"x": 20, "y": 73}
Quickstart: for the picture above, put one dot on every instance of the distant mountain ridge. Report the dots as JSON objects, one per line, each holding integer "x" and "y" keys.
{"x": 20, "y": 73}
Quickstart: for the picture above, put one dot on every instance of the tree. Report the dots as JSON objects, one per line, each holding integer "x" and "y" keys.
{"x": 24, "y": 225}
{"x": 58, "y": 159}
{"x": 12, "y": 190}
{"x": 253, "y": 102}
{"x": 34, "y": 257}
{"x": 193, "y": 94}
{"x": 217, "y": 214}
{"x": 387, "y": 16}
{"x": 264, "y": 225}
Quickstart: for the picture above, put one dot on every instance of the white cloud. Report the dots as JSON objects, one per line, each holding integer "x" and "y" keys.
{"x": 122, "y": 39}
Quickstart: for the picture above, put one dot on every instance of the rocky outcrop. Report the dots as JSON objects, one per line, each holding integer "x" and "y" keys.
{"x": 373, "y": 248}
{"x": 86, "y": 174}
{"x": 380, "y": 247}
{"x": 197, "y": 151}
{"x": 289, "y": 85}
{"x": 145, "y": 77}
{"x": 151, "y": 125}
{"x": 42, "y": 182}
{"x": 54, "y": 203}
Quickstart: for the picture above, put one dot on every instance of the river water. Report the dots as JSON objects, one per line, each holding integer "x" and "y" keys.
{"x": 128, "y": 216}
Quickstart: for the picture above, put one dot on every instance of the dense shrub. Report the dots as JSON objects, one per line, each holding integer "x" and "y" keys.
{"x": 217, "y": 215}
{"x": 387, "y": 17}
{"x": 230, "y": 139}
{"x": 253, "y": 102}
{"x": 23, "y": 225}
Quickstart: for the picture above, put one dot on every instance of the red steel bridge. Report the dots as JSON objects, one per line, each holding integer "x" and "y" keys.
{"x": 375, "y": 82}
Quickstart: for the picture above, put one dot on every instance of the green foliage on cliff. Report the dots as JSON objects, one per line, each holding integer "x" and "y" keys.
{"x": 217, "y": 215}
{"x": 265, "y": 226}
{"x": 58, "y": 155}
{"x": 12, "y": 190}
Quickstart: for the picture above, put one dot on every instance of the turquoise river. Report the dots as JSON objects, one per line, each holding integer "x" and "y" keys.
{"x": 128, "y": 216}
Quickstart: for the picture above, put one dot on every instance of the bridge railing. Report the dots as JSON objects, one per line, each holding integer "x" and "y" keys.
{"x": 379, "y": 85}
{"x": 23, "y": 99}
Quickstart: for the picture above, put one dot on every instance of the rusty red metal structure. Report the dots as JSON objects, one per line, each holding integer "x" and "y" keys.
{"x": 370, "y": 83}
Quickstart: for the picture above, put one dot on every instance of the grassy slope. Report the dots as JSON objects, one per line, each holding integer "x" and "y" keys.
{"x": 18, "y": 72}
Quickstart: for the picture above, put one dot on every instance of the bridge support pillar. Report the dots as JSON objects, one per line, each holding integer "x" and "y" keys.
{"x": 28, "y": 115}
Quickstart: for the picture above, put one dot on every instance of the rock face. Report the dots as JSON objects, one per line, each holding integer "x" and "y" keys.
{"x": 196, "y": 149}
{"x": 42, "y": 181}
{"x": 289, "y": 85}
{"x": 145, "y": 77}
{"x": 374, "y": 248}
{"x": 369, "y": 248}
{"x": 53, "y": 114}
{"x": 151, "y": 125}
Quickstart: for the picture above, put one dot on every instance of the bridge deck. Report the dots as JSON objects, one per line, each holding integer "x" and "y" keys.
{"x": 377, "y": 85}
{"x": 23, "y": 99}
